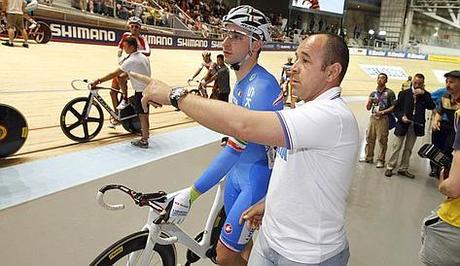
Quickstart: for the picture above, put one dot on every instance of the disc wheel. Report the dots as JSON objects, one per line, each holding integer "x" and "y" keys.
{"x": 130, "y": 249}
{"x": 79, "y": 126}
{"x": 132, "y": 124}
{"x": 42, "y": 33}
{"x": 13, "y": 130}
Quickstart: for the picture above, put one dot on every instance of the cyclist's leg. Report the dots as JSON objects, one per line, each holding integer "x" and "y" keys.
{"x": 226, "y": 253}
{"x": 123, "y": 82}
{"x": 203, "y": 91}
{"x": 244, "y": 188}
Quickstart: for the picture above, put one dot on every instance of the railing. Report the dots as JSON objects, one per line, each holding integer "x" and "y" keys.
{"x": 207, "y": 30}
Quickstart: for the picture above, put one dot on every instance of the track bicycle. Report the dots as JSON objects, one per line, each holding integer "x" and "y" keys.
{"x": 155, "y": 243}
{"x": 41, "y": 33}
{"x": 82, "y": 118}
{"x": 199, "y": 90}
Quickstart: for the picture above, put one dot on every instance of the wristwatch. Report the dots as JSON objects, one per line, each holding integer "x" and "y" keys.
{"x": 176, "y": 94}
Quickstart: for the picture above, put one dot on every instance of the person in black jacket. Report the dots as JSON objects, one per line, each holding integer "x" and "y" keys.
{"x": 410, "y": 110}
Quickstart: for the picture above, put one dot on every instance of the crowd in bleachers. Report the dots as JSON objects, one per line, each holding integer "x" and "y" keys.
{"x": 197, "y": 15}
{"x": 204, "y": 16}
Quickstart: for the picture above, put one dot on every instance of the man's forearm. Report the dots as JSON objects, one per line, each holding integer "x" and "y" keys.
{"x": 389, "y": 109}
{"x": 369, "y": 104}
{"x": 451, "y": 186}
{"x": 196, "y": 73}
{"x": 233, "y": 120}
{"x": 213, "y": 78}
{"x": 110, "y": 75}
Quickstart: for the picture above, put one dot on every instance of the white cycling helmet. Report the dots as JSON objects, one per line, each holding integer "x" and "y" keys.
{"x": 135, "y": 20}
{"x": 251, "y": 19}
{"x": 206, "y": 53}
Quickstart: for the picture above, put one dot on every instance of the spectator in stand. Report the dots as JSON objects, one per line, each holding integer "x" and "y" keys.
{"x": 83, "y": 5}
{"x": 91, "y": 6}
{"x": 122, "y": 10}
{"x": 98, "y": 6}
{"x": 107, "y": 7}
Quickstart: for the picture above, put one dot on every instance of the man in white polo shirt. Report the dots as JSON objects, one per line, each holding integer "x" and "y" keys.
{"x": 304, "y": 221}
{"x": 139, "y": 63}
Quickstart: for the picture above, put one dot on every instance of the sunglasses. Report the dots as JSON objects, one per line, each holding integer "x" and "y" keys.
{"x": 134, "y": 26}
{"x": 234, "y": 35}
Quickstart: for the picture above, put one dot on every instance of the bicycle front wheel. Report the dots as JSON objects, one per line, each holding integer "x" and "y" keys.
{"x": 131, "y": 249}
{"x": 77, "y": 124}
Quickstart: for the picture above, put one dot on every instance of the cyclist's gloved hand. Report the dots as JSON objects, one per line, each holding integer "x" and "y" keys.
{"x": 180, "y": 205}
{"x": 95, "y": 83}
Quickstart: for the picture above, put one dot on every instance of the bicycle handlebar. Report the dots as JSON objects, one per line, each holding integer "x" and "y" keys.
{"x": 74, "y": 84}
{"x": 139, "y": 199}
{"x": 193, "y": 81}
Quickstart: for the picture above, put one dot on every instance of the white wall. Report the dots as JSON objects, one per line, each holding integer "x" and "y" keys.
{"x": 436, "y": 50}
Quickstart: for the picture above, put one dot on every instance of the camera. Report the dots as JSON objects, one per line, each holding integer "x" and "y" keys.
{"x": 435, "y": 155}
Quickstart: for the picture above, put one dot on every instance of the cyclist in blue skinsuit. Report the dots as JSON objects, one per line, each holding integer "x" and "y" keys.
{"x": 246, "y": 165}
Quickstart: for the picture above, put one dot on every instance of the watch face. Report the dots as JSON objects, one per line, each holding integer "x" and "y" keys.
{"x": 176, "y": 93}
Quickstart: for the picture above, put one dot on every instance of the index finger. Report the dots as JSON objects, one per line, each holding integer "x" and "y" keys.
{"x": 145, "y": 79}
{"x": 244, "y": 216}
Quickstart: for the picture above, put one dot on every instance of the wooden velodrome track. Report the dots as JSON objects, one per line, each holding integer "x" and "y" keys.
{"x": 37, "y": 82}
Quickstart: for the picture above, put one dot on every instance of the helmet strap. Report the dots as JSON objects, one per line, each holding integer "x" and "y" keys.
{"x": 237, "y": 66}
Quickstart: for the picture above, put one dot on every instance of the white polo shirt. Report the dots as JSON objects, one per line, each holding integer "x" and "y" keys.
{"x": 14, "y": 7}
{"x": 139, "y": 63}
{"x": 305, "y": 205}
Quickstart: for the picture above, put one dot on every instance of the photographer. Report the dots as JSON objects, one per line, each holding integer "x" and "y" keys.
{"x": 441, "y": 230}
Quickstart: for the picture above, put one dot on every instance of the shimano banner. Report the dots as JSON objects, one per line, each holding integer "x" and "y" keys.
{"x": 80, "y": 33}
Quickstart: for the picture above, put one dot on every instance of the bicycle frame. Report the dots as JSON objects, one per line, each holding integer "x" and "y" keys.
{"x": 176, "y": 234}
{"x": 94, "y": 95}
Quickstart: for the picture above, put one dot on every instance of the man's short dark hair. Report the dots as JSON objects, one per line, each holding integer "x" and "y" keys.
{"x": 383, "y": 74}
{"x": 335, "y": 50}
{"x": 131, "y": 41}
{"x": 420, "y": 76}
{"x": 221, "y": 56}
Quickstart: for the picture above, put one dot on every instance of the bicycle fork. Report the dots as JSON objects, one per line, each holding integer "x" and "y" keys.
{"x": 154, "y": 233}
{"x": 88, "y": 106}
